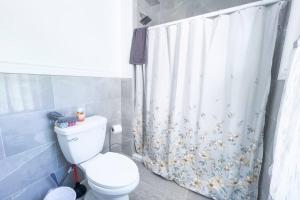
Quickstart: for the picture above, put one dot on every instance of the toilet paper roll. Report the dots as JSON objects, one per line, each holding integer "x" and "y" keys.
{"x": 115, "y": 129}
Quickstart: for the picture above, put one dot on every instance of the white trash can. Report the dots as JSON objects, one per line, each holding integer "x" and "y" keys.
{"x": 61, "y": 193}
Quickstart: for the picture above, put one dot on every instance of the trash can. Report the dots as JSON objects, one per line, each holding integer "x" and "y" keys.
{"x": 61, "y": 193}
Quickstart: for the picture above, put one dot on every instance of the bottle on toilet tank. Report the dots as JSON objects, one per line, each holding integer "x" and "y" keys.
{"x": 80, "y": 114}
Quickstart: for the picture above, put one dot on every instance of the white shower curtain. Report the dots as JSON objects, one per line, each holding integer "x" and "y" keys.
{"x": 285, "y": 180}
{"x": 201, "y": 98}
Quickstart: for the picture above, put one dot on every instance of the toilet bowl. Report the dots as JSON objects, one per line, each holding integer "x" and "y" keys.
{"x": 110, "y": 176}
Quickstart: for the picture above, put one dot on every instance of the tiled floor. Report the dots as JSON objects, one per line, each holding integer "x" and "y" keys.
{"x": 153, "y": 187}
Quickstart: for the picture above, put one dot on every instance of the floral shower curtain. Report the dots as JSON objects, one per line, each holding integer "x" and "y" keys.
{"x": 201, "y": 98}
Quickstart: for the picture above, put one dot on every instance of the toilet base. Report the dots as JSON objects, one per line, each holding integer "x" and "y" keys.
{"x": 91, "y": 196}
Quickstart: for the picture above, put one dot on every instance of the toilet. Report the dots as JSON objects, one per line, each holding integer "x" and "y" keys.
{"x": 111, "y": 176}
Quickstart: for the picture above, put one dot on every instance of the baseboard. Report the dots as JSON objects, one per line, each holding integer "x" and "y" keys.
{"x": 137, "y": 157}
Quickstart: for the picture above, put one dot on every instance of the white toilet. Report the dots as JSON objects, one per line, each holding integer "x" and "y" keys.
{"x": 111, "y": 176}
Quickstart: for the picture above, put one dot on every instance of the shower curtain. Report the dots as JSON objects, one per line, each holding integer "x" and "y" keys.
{"x": 200, "y": 101}
{"x": 285, "y": 182}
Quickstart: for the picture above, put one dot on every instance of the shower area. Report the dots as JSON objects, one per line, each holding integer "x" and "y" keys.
{"x": 201, "y": 98}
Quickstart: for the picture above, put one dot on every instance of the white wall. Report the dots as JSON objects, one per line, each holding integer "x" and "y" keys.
{"x": 66, "y": 37}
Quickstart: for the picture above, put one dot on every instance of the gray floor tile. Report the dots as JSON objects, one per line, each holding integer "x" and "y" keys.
{"x": 167, "y": 187}
{"x": 153, "y": 186}
{"x": 144, "y": 191}
{"x": 194, "y": 196}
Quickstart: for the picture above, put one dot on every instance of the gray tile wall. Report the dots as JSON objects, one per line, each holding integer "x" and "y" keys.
{"x": 127, "y": 115}
{"x": 169, "y": 10}
{"x": 28, "y": 146}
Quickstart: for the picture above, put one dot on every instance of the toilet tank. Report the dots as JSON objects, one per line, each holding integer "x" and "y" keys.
{"x": 83, "y": 141}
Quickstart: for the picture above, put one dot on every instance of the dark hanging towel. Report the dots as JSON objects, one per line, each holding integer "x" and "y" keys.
{"x": 138, "y": 54}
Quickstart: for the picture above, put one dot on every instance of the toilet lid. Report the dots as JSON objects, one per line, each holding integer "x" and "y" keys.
{"x": 112, "y": 170}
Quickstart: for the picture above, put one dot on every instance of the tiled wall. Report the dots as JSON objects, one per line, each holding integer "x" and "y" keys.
{"x": 161, "y": 11}
{"x": 28, "y": 146}
{"x": 127, "y": 115}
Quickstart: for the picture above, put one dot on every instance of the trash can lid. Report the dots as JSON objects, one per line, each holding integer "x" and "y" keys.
{"x": 61, "y": 193}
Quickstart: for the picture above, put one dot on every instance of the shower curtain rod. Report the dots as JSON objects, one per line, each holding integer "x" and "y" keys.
{"x": 220, "y": 12}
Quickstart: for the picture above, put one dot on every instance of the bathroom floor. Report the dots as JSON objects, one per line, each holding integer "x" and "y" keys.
{"x": 153, "y": 187}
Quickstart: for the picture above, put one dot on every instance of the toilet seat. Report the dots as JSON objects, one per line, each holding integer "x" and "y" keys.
{"x": 111, "y": 171}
